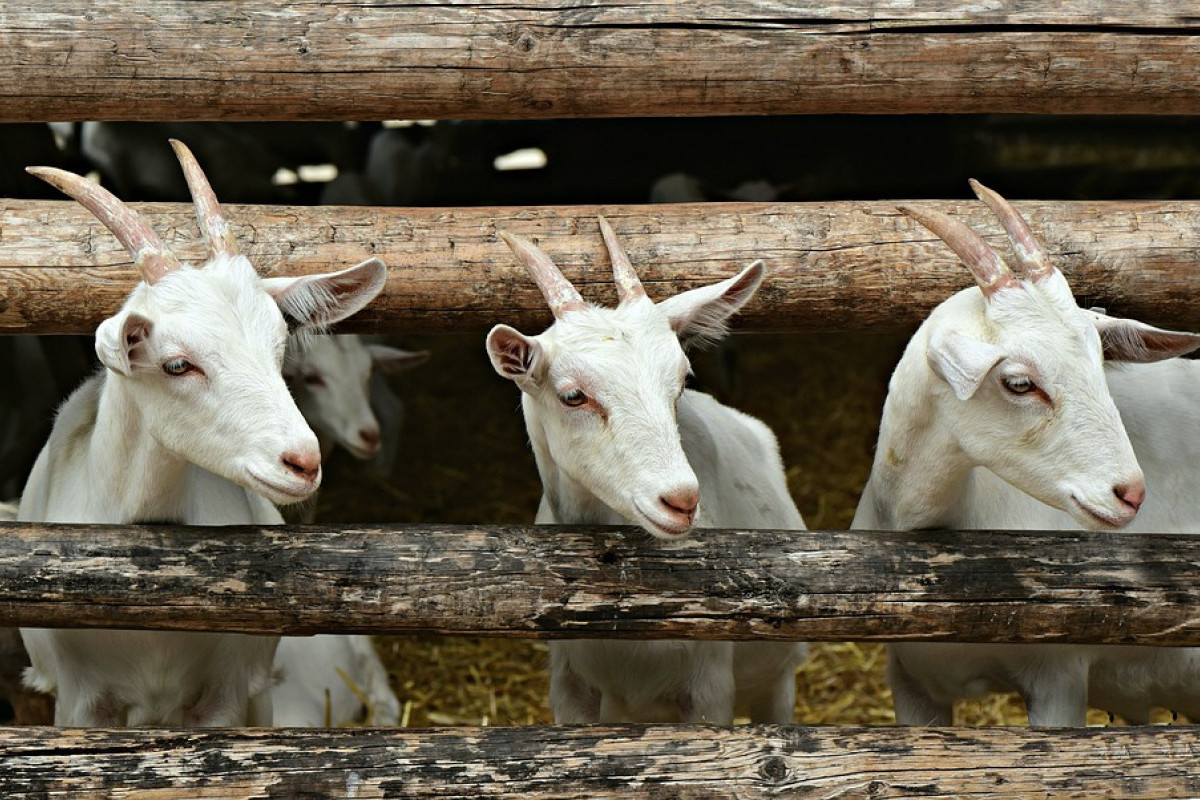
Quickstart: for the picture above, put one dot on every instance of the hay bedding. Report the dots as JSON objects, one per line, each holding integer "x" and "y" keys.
{"x": 466, "y": 460}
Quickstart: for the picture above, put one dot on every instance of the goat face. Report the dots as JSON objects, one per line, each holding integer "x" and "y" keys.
{"x": 331, "y": 378}
{"x": 196, "y": 354}
{"x": 601, "y": 385}
{"x": 1026, "y": 397}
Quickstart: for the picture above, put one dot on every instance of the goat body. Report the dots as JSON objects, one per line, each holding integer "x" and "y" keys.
{"x": 617, "y": 439}
{"x": 189, "y": 422}
{"x": 999, "y": 416}
{"x": 331, "y": 680}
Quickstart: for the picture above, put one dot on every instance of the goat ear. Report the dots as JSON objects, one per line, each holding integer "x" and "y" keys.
{"x": 702, "y": 313}
{"x": 513, "y": 354}
{"x": 120, "y": 341}
{"x": 1133, "y": 341}
{"x": 316, "y": 301}
{"x": 392, "y": 359}
{"x": 962, "y": 362}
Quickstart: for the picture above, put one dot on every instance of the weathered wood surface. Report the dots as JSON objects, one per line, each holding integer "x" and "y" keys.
{"x": 343, "y": 59}
{"x": 681, "y": 761}
{"x": 833, "y": 266}
{"x": 536, "y": 581}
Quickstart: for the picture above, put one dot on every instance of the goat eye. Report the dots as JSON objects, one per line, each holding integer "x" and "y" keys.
{"x": 573, "y": 398}
{"x": 1019, "y": 385}
{"x": 314, "y": 380}
{"x": 178, "y": 366}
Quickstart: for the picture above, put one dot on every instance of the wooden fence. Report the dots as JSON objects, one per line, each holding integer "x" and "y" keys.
{"x": 834, "y": 266}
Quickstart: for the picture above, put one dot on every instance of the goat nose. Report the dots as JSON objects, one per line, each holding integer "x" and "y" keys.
{"x": 681, "y": 501}
{"x": 306, "y": 465}
{"x": 369, "y": 437}
{"x": 1131, "y": 494}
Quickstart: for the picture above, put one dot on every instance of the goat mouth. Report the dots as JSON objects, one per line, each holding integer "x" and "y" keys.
{"x": 278, "y": 489}
{"x": 1108, "y": 520}
{"x": 663, "y": 529}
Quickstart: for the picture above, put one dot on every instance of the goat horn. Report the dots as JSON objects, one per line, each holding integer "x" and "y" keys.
{"x": 213, "y": 226}
{"x": 558, "y": 291}
{"x": 990, "y": 271}
{"x": 150, "y": 255}
{"x": 629, "y": 286}
{"x": 1028, "y": 250}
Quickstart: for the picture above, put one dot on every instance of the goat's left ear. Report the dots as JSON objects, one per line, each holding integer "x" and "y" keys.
{"x": 392, "y": 359}
{"x": 703, "y": 312}
{"x": 1131, "y": 341}
{"x": 513, "y": 354}
{"x": 315, "y": 301}
{"x": 120, "y": 340}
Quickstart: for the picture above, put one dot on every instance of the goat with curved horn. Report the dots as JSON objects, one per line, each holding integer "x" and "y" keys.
{"x": 990, "y": 271}
{"x": 629, "y": 285}
{"x": 561, "y": 296}
{"x": 1028, "y": 250}
{"x": 150, "y": 255}
{"x": 213, "y": 225}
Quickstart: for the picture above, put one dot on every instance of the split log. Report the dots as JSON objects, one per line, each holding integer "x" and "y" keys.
{"x": 833, "y": 266}
{"x": 587, "y": 762}
{"x": 341, "y": 59}
{"x": 560, "y": 581}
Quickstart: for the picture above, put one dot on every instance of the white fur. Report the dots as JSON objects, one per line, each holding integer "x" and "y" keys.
{"x": 641, "y": 438}
{"x": 325, "y": 679}
{"x": 134, "y": 444}
{"x": 957, "y": 451}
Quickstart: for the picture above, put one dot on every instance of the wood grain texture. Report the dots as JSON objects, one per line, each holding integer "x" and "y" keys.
{"x": 832, "y": 266}
{"x": 342, "y": 59}
{"x": 559, "y": 581}
{"x": 588, "y": 762}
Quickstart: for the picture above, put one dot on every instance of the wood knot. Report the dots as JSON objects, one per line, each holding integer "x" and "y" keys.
{"x": 526, "y": 42}
{"x": 775, "y": 769}
{"x": 609, "y": 557}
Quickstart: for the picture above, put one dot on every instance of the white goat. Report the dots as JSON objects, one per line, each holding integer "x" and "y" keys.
{"x": 330, "y": 378}
{"x": 190, "y": 422}
{"x": 618, "y": 439}
{"x": 330, "y": 680}
{"x": 1000, "y": 398}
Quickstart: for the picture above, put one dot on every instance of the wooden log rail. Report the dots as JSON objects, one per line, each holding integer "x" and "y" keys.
{"x": 344, "y": 59}
{"x": 589, "y": 762}
{"x": 558, "y": 581}
{"x": 833, "y": 266}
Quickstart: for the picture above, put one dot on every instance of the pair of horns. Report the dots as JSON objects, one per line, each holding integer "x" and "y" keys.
{"x": 989, "y": 269}
{"x": 558, "y": 291}
{"x": 152, "y": 258}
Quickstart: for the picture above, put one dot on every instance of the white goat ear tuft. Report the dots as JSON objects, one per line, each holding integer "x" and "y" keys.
{"x": 316, "y": 301}
{"x": 702, "y": 314}
{"x": 392, "y": 359}
{"x": 962, "y": 362}
{"x": 1132, "y": 341}
{"x": 513, "y": 354}
{"x": 120, "y": 340}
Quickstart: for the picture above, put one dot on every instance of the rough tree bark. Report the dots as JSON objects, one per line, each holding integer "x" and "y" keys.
{"x": 340, "y": 59}
{"x": 538, "y": 581}
{"x": 832, "y": 266}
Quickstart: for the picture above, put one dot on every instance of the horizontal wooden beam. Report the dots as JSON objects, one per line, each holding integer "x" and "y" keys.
{"x": 588, "y": 762}
{"x": 343, "y": 59}
{"x": 557, "y": 581}
{"x": 833, "y": 266}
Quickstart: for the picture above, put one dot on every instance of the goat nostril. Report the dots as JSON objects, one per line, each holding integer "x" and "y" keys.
{"x": 303, "y": 465}
{"x": 369, "y": 436}
{"x": 1132, "y": 494}
{"x": 682, "y": 502}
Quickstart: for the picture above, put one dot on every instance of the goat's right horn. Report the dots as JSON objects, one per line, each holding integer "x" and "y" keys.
{"x": 1029, "y": 251}
{"x": 990, "y": 271}
{"x": 561, "y": 296}
{"x": 629, "y": 285}
{"x": 213, "y": 226}
{"x": 150, "y": 255}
